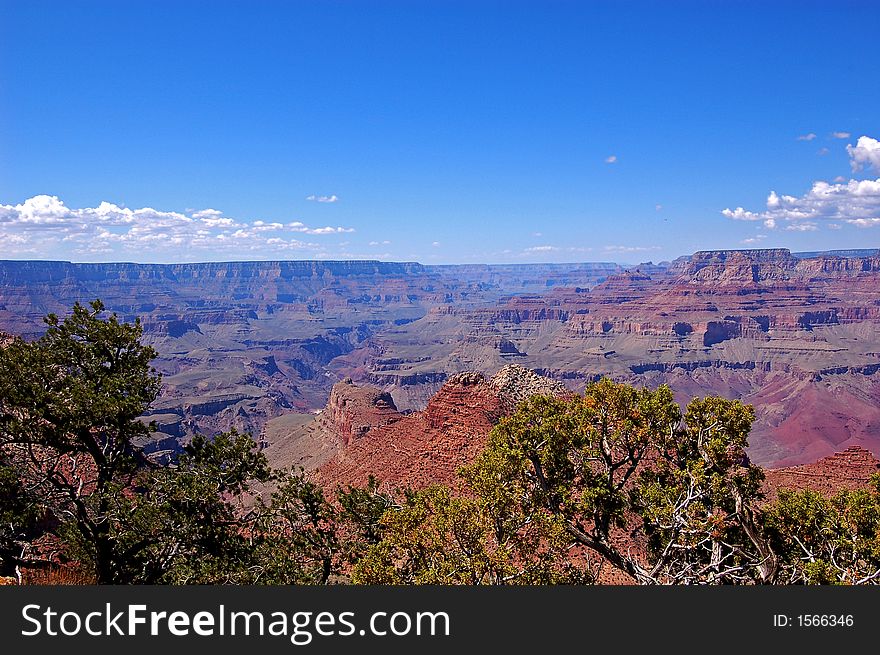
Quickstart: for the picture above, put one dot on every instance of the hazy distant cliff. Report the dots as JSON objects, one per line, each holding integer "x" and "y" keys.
{"x": 36, "y": 271}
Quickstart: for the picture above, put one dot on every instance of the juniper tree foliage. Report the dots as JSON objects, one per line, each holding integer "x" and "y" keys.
{"x": 827, "y": 540}
{"x": 493, "y": 533}
{"x": 436, "y": 537}
{"x": 69, "y": 408}
{"x": 188, "y": 523}
{"x": 626, "y": 472}
{"x": 19, "y": 519}
{"x": 306, "y": 537}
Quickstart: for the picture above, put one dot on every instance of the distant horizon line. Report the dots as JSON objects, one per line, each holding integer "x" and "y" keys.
{"x": 856, "y": 252}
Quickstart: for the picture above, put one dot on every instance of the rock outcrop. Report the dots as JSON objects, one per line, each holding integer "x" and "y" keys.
{"x": 848, "y": 469}
{"x": 515, "y": 384}
{"x": 430, "y": 446}
{"x": 352, "y": 411}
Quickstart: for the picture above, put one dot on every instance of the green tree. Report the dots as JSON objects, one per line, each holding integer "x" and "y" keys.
{"x": 19, "y": 519}
{"x": 298, "y": 529}
{"x": 439, "y": 538}
{"x": 492, "y": 534}
{"x": 827, "y": 540}
{"x": 662, "y": 497}
{"x": 306, "y": 538}
{"x": 70, "y": 404}
{"x": 189, "y": 523}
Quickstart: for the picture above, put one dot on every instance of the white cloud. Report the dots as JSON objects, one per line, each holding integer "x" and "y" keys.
{"x": 658, "y": 207}
{"x": 380, "y": 243}
{"x": 206, "y": 213}
{"x": 315, "y": 198}
{"x": 328, "y": 230}
{"x": 823, "y": 151}
{"x": 770, "y": 223}
{"x": 856, "y": 200}
{"x": 865, "y": 154}
{"x": 45, "y": 226}
{"x": 630, "y": 249}
{"x": 753, "y": 240}
{"x": 435, "y": 244}
{"x": 802, "y": 227}
{"x": 806, "y": 137}
{"x": 611, "y": 159}
{"x": 548, "y": 250}
{"x": 740, "y": 214}
{"x": 840, "y": 135}
{"x": 297, "y": 226}
{"x": 864, "y": 222}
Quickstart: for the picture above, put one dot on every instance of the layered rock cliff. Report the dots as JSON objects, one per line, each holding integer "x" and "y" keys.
{"x": 352, "y": 411}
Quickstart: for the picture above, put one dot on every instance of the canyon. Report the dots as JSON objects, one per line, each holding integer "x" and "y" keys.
{"x": 280, "y": 349}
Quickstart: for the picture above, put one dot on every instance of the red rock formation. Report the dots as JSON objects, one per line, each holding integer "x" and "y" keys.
{"x": 352, "y": 411}
{"x": 848, "y": 469}
{"x": 430, "y": 446}
{"x": 427, "y": 446}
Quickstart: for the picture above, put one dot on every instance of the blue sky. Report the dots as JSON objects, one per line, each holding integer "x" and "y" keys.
{"x": 435, "y": 131}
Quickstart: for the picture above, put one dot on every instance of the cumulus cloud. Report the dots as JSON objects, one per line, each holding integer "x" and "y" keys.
{"x": 380, "y": 243}
{"x": 753, "y": 240}
{"x": 806, "y": 137}
{"x": 45, "y": 226}
{"x": 840, "y": 135}
{"x": 865, "y": 154}
{"x": 611, "y": 159}
{"x": 315, "y": 198}
{"x": 856, "y": 202}
{"x": 435, "y": 244}
{"x": 542, "y": 249}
